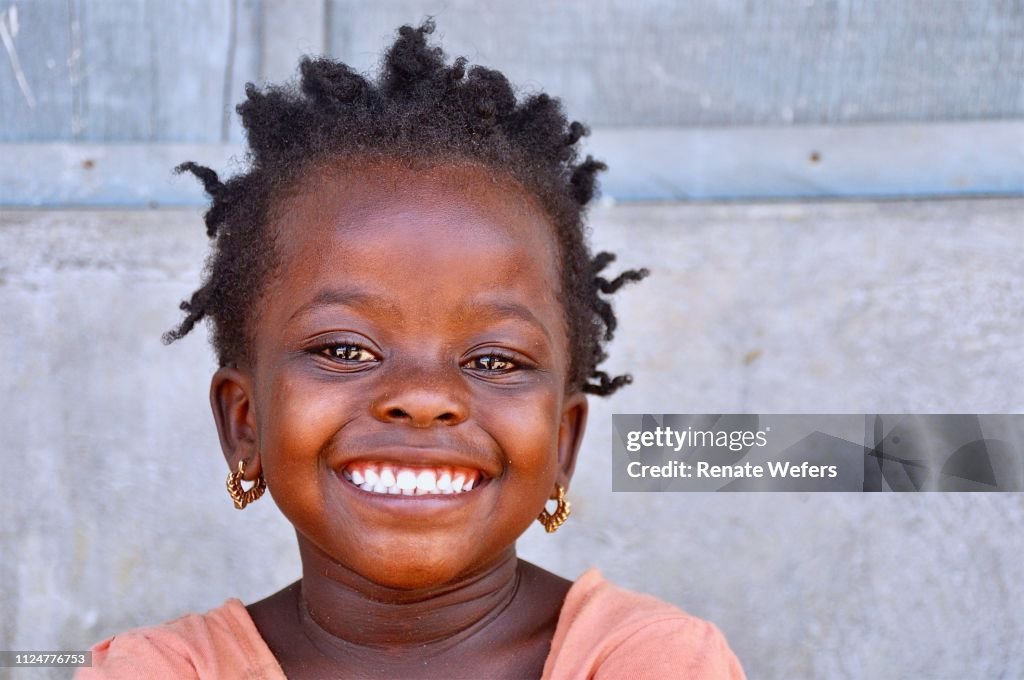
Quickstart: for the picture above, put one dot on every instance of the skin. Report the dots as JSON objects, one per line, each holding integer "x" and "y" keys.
{"x": 414, "y": 318}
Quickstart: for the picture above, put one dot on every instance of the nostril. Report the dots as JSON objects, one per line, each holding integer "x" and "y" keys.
{"x": 420, "y": 411}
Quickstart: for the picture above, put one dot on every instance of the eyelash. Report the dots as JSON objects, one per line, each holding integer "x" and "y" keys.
{"x": 325, "y": 350}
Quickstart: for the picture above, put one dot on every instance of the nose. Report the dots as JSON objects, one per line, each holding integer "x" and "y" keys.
{"x": 423, "y": 401}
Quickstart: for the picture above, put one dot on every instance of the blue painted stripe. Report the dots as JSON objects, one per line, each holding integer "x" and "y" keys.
{"x": 648, "y": 164}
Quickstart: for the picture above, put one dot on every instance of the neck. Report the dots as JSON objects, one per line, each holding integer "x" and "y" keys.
{"x": 340, "y": 610}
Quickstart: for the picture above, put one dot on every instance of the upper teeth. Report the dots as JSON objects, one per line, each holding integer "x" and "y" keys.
{"x": 409, "y": 481}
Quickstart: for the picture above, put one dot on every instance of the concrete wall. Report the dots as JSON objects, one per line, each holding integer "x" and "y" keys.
{"x": 157, "y": 71}
{"x": 115, "y": 515}
{"x": 697, "y": 100}
{"x": 111, "y": 492}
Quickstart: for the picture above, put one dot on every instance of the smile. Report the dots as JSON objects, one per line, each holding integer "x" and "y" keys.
{"x": 409, "y": 480}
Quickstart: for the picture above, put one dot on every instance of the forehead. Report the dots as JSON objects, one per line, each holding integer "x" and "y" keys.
{"x": 461, "y": 227}
{"x": 449, "y": 201}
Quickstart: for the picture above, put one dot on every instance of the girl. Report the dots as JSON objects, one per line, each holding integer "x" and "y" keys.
{"x": 407, "y": 321}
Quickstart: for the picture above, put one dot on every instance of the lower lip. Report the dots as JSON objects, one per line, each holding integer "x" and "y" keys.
{"x": 415, "y": 505}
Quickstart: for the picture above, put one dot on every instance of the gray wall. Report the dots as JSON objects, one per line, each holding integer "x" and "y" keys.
{"x": 696, "y": 100}
{"x": 121, "y": 70}
{"x": 112, "y": 499}
{"x": 115, "y": 513}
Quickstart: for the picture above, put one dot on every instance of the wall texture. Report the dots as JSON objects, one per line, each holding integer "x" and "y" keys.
{"x": 697, "y": 100}
{"x": 112, "y": 505}
{"x": 115, "y": 515}
{"x": 130, "y": 71}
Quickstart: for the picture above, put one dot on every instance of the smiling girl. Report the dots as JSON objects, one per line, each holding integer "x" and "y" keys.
{"x": 407, "y": 320}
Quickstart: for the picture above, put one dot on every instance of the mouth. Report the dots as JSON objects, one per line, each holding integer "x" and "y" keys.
{"x": 384, "y": 478}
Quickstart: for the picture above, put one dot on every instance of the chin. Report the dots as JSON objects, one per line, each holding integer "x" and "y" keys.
{"x": 417, "y": 576}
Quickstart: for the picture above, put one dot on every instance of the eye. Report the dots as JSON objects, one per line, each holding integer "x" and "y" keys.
{"x": 493, "y": 363}
{"x": 347, "y": 353}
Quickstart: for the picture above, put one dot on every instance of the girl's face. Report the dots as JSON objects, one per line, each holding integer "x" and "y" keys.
{"x": 412, "y": 339}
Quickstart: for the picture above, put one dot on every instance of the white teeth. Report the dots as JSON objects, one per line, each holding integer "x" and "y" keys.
{"x": 386, "y": 479}
{"x": 406, "y": 480}
{"x": 426, "y": 481}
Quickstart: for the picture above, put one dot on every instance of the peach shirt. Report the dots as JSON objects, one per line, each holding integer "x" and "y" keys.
{"x": 603, "y": 632}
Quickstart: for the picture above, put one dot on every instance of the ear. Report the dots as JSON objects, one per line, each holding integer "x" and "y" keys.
{"x": 570, "y": 435}
{"x": 231, "y": 392}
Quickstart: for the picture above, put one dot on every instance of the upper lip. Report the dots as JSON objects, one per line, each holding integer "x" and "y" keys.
{"x": 418, "y": 456}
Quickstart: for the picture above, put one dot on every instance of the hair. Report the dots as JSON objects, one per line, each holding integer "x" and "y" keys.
{"x": 419, "y": 110}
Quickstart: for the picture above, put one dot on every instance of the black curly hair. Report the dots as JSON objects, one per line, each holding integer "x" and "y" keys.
{"x": 420, "y": 110}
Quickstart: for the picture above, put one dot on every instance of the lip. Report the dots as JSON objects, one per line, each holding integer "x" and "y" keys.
{"x": 404, "y": 507}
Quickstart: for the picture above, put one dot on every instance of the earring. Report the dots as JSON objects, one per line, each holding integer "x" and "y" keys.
{"x": 553, "y": 520}
{"x": 240, "y": 496}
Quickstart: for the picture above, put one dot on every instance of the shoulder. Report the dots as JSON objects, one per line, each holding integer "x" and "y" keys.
{"x": 605, "y": 631}
{"x": 222, "y": 643}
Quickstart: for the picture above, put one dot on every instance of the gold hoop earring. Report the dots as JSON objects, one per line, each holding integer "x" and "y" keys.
{"x": 553, "y": 520}
{"x": 240, "y": 496}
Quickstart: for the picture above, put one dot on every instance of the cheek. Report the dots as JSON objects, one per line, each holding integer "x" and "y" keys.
{"x": 526, "y": 428}
{"x": 297, "y": 427}
{"x": 295, "y": 438}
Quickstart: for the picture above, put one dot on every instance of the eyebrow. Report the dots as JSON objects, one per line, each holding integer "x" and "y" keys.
{"x": 348, "y": 297}
{"x": 482, "y": 307}
{"x": 506, "y": 308}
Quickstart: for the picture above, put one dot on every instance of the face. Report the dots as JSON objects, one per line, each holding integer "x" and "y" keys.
{"x": 407, "y": 404}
